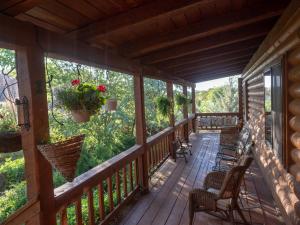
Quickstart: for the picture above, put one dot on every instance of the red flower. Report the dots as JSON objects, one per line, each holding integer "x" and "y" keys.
{"x": 101, "y": 88}
{"x": 75, "y": 82}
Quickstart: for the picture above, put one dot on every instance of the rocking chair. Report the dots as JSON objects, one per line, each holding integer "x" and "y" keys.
{"x": 220, "y": 193}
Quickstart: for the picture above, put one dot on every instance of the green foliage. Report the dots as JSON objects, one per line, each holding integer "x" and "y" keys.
{"x": 164, "y": 105}
{"x": 12, "y": 199}
{"x": 181, "y": 99}
{"x": 12, "y": 170}
{"x": 82, "y": 96}
{"x": 219, "y": 99}
{"x": 8, "y": 120}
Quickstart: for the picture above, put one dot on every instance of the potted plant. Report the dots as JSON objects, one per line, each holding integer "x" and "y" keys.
{"x": 111, "y": 104}
{"x": 10, "y": 135}
{"x": 82, "y": 99}
{"x": 164, "y": 105}
{"x": 181, "y": 99}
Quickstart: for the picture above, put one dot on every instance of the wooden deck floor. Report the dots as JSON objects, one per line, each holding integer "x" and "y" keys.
{"x": 167, "y": 204}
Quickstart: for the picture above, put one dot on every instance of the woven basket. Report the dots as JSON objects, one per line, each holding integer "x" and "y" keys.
{"x": 81, "y": 116}
{"x": 10, "y": 142}
{"x": 64, "y": 155}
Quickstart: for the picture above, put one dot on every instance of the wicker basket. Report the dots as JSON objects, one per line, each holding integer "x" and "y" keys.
{"x": 10, "y": 142}
{"x": 64, "y": 155}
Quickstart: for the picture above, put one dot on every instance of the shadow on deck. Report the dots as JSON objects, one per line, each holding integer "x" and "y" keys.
{"x": 167, "y": 202}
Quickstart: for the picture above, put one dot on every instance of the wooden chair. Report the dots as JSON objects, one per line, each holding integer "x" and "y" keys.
{"x": 220, "y": 193}
{"x": 180, "y": 151}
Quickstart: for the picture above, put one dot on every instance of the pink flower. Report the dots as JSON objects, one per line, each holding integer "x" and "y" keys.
{"x": 75, "y": 82}
{"x": 101, "y": 88}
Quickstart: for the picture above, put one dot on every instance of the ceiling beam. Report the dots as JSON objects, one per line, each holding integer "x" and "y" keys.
{"x": 219, "y": 68}
{"x": 214, "y": 75}
{"x": 21, "y": 7}
{"x": 202, "y": 63}
{"x": 138, "y": 15}
{"x": 206, "y": 27}
{"x": 16, "y": 34}
{"x": 215, "y": 41}
{"x": 211, "y": 54}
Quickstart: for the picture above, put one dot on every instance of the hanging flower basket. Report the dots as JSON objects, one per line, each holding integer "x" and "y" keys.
{"x": 81, "y": 116}
{"x": 111, "y": 104}
{"x": 10, "y": 142}
{"x": 64, "y": 155}
{"x": 82, "y": 99}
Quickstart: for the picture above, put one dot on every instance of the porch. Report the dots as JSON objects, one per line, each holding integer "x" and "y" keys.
{"x": 167, "y": 202}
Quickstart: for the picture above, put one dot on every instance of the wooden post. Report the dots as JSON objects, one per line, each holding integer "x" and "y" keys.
{"x": 171, "y": 117}
{"x": 194, "y": 107}
{"x": 185, "y": 115}
{"x": 32, "y": 85}
{"x": 240, "y": 90}
{"x": 141, "y": 137}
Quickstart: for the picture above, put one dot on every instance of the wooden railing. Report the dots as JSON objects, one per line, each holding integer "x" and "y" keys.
{"x": 29, "y": 210}
{"x": 97, "y": 195}
{"x": 214, "y": 121}
{"x": 101, "y": 191}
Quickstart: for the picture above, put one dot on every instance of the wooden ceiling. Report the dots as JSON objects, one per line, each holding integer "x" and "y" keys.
{"x": 195, "y": 40}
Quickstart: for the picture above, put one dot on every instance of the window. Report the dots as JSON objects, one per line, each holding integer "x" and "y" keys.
{"x": 274, "y": 108}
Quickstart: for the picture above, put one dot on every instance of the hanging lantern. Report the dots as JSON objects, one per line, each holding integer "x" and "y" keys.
{"x": 111, "y": 104}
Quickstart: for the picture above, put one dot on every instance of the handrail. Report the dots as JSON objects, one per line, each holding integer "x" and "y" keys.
{"x": 219, "y": 114}
{"x": 181, "y": 122}
{"x": 156, "y": 137}
{"x": 22, "y": 215}
{"x": 67, "y": 193}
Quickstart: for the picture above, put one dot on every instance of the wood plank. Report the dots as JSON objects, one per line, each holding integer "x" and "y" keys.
{"x": 215, "y": 41}
{"x": 215, "y": 62}
{"x": 215, "y": 75}
{"x": 223, "y": 52}
{"x": 145, "y": 12}
{"x": 22, "y": 7}
{"x": 206, "y": 27}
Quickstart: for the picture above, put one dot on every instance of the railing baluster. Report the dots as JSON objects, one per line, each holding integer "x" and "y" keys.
{"x": 110, "y": 194}
{"x": 125, "y": 181}
{"x": 130, "y": 176}
{"x": 136, "y": 174}
{"x": 78, "y": 210}
{"x": 101, "y": 201}
{"x": 118, "y": 187}
{"x": 63, "y": 217}
{"x": 91, "y": 214}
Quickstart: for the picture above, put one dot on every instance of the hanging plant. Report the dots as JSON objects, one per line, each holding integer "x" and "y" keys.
{"x": 82, "y": 99}
{"x": 111, "y": 104}
{"x": 164, "y": 105}
{"x": 64, "y": 155}
{"x": 181, "y": 99}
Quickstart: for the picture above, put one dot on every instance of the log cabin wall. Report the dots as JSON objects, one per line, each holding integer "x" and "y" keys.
{"x": 282, "y": 177}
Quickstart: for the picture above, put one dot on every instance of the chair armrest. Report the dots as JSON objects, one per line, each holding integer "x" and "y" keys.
{"x": 200, "y": 199}
{"x": 214, "y": 180}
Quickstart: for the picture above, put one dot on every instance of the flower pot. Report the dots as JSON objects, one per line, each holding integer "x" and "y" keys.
{"x": 111, "y": 104}
{"x": 64, "y": 155}
{"x": 81, "y": 116}
{"x": 10, "y": 142}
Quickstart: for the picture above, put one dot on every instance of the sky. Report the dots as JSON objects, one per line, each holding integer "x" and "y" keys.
{"x": 203, "y": 86}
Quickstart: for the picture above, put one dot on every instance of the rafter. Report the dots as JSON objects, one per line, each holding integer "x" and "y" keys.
{"x": 204, "y": 28}
{"x": 21, "y": 7}
{"x": 214, "y": 74}
{"x": 204, "y": 63}
{"x": 220, "y": 68}
{"x": 137, "y": 15}
{"x": 211, "y": 54}
{"x": 215, "y": 41}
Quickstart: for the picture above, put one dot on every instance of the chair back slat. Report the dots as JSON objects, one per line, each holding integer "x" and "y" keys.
{"x": 232, "y": 182}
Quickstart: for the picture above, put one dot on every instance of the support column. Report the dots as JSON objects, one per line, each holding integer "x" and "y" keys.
{"x": 185, "y": 115}
{"x": 32, "y": 85}
{"x": 194, "y": 107}
{"x": 170, "y": 96}
{"x": 141, "y": 137}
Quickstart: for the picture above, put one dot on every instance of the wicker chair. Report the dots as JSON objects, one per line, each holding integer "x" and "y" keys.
{"x": 220, "y": 193}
